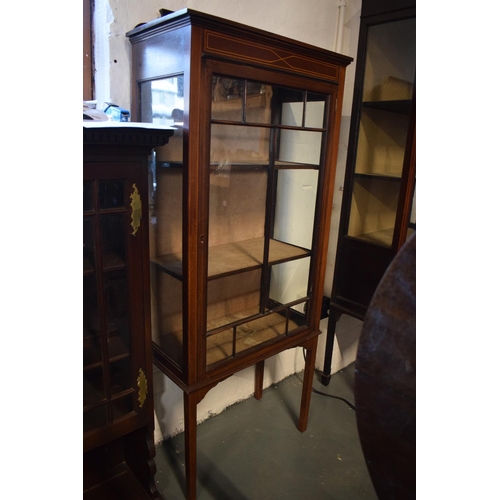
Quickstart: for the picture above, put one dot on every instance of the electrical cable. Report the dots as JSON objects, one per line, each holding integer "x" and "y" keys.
{"x": 335, "y": 397}
{"x": 330, "y": 395}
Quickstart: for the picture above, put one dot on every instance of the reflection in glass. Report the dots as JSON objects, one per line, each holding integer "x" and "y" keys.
{"x": 162, "y": 102}
{"x": 111, "y": 194}
{"x": 242, "y": 101}
{"x": 300, "y": 146}
{"x": 315, "y": 110}
{"x": 233, "y": 144}
{"x": 295, "y": 206}
{"x": 289, "y": 282}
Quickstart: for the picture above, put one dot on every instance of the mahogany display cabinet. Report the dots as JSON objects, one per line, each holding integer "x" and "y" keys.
{"x": 378, "y": 206}
{"x": 240, "y": 198}
{"x": 118, "y": 419}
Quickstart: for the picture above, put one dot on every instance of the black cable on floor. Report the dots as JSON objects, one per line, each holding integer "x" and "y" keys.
{"x": 330, "y": 395}
{"x": 335, "y": 397}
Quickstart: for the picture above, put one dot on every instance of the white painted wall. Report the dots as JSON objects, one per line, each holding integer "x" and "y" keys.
{"x": 312, "y": 22}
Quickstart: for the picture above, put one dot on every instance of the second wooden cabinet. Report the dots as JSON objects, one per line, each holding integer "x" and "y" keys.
{"x": 240, "y": 199}
{"x": 378, "y": 205}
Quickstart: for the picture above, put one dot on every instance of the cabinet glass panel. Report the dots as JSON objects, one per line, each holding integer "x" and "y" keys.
{"x": 384, "y": 120}
{"x": 265, "y": 161}
{"x": 296, "y": 192}
{"x": 111, "y": 194}
{"x": 162, "y": 102}
{"x": 241, "y": 100}
{"x": 289, "y": 283}
{"x": 106, "y": 338}
{"x": 88, "y": 203}
{"x": 122, "y": 406}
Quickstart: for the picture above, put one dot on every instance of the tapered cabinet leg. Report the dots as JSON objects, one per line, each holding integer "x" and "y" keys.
{"x": 259, "y": 379}
{"x": 330, "y": 339}
{"x": 307, "y": 383}
{"x": 190, "y": 402}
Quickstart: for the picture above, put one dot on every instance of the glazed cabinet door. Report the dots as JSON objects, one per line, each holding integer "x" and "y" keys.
{"x": 264, "y": 171}
{"x": 114, "y": 374}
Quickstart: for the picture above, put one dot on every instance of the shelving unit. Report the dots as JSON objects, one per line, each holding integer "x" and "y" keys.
{"x": 240, "y": 198}
{"x": 118, "y": 450}
{"x": 378, "y": 205}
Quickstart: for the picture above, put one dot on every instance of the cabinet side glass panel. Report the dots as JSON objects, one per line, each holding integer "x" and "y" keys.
{"x": 384, "y": 121}
{"x": 162, "y": 102}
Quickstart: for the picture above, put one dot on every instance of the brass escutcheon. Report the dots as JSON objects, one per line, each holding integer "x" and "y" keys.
{"x": 136, "y": 209}
{"x": 142, "y": 383}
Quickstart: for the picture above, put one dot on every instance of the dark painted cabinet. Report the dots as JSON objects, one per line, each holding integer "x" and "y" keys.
{"x": 378, "y": 205}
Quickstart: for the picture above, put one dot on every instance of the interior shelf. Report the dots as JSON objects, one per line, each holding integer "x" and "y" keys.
{"x": 254, "y": 331}
{"x": 233, "y": 258}
{"x": 259, "y": 165}
{"x": 268, "y": 327}
{"x": 380, "y": 237}
{"x": 111, "y": 260}
{"x": 117, "y": 349}
{"x": 385, "y": 176}
{"x": 402, "y": 107}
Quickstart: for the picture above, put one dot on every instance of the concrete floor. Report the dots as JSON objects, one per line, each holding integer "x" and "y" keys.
{"x": 253, "y": 450}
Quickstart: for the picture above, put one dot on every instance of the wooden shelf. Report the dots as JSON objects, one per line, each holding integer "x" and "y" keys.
{"x": 234, "y": 258}
{"x": 111, "y": 261}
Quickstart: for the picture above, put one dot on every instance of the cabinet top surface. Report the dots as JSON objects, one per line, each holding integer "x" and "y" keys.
{"x": 131, "y": 134}
{"x": 120, "y": 126}
{"x": 187, "y": 17}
